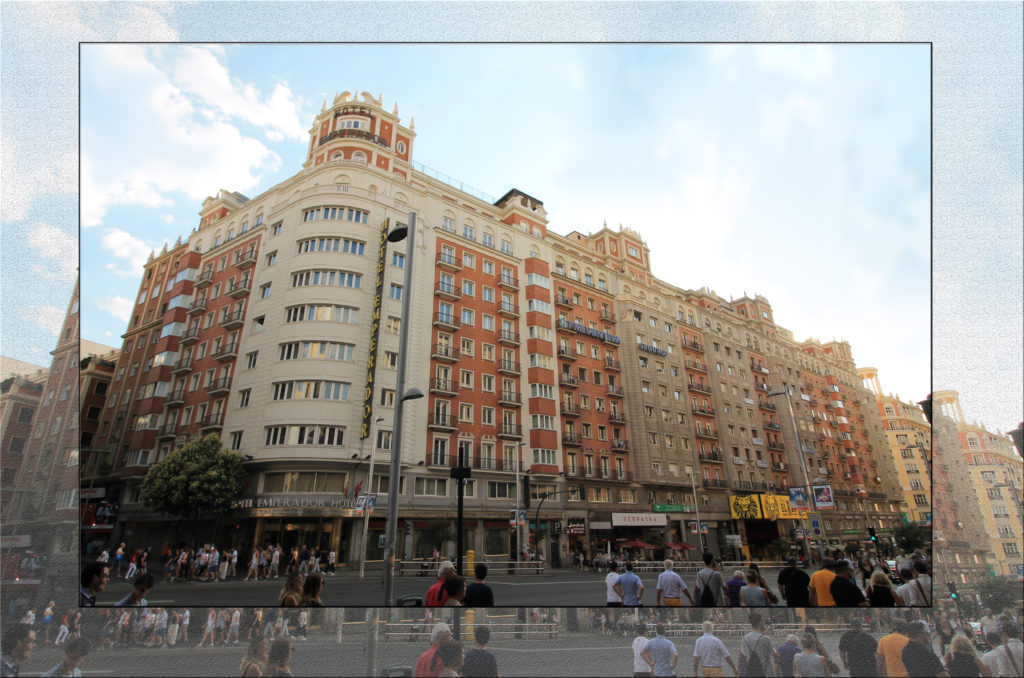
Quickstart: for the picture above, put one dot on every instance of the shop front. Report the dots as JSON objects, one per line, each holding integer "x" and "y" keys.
{"x": 323, "y": 523}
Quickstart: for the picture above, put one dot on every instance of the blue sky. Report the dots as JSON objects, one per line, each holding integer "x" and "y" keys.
{"x": 742, "y": 165}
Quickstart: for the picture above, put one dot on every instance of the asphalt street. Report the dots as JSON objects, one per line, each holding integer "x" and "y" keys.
{"x": 553, "y": 588}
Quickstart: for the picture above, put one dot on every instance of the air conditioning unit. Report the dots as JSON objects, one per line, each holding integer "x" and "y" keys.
{"x": 847, "y": 476}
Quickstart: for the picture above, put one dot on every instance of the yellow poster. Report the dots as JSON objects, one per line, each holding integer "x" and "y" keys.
{"x": 776, "y": 507}
{"x": 745, "y": 506}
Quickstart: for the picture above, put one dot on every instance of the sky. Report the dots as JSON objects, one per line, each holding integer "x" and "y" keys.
{"x": 798, "y": 172}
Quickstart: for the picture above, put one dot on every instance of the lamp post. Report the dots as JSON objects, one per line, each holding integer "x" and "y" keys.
{"x": 696, "y": 508}
{"x": 519, "y": 500}
{"x": 803, "y": 468}
{"x": 399, "y": 233}
{"x": 369, "y": 490}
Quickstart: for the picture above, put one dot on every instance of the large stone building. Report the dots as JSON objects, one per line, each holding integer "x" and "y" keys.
{"x": 631, "y": 405}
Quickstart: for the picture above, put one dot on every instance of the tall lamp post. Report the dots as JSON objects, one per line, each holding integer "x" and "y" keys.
{"x": 369, "y": 491}
{"x": 519, "y": 500}
{"x": 399, "y": 233}
{"x": 803, "y": 468}
{"x": 696, "y": 508}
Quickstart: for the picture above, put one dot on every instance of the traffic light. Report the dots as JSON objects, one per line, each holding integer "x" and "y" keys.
{"x": 952, "y": 590}
{"x": 871, "y": 533}
{"x": 526, "y": 491}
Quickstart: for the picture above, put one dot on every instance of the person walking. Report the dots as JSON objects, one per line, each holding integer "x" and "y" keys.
{"x": 843, "y": 590}
{"x": 734, "y": 584}
{"x": 820, "y": 585}
{"x": 279, "y": 657}
{"x": 254, "y": 565}
{"x": 118, "y": 557}
{"x": 785, "y": 653}
{"x": 451, "y": 657}
{"x": 455, "y": 590}
{"x": 254, "y": 664}
{"x": 1011, "y": 661}
{"x": 428, "y": 665}
{"x": 94, "y": 578}
{"x": 613, "y": 594}
{"x": 312, "y": 587}
{"x": 478, "y": 594}
{"x": 641, "y": 669}
{"x": 880, "y": 593}
{"x": 710, "y": 589}
{"x": 74, "y": 655}
{"x": 631, "y": 586}
{"x": 478, "y": 662}
{"x": 186, "y": 618}
{"x": 660, "y": 653}
{"x": 793, "y": 585}
{"x": 292, "y": 591}
{"x": 141, "y": 587}
{"x": 962, "y": 659}
{"x": 918, "y": 657}
{"x": 436, "y": 594}
{"x": 670, "y": 586}
{"x": 65, "y": 628}
{"x": 234, "y": 562}
{"x": 173, "y": 626}
{"x": 757, "y": 657}
{"x": 752, "y": 595}
{"x": 19, "y": 641}
{"x": 209, "y": 630}
{"x": 709, "y": 652}
{"x": 809, "y": 663}
{"x": 857, "y": 651}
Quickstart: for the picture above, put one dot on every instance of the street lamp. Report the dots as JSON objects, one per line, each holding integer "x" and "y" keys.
{"x": 696, "y": 508}
{"x": 519, "y": 501}
{"x": 369, "y": 491}
{"x": 397, "y": 234}
{"x": 803, "y": 468}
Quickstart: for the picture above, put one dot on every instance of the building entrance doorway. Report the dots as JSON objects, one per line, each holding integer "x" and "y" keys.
{"x": 319, "y": 534}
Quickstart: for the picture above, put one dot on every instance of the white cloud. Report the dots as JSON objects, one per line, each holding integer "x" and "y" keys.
{"x": 142, "y": 131}
{"x": 119, "y": 307}
{"x": 25, "y": 177}
{"x": 53, "y": 244}
{"x": 806, "y": 62}
{"x": 47, "y": 318}
{"x": 126, "y": 246}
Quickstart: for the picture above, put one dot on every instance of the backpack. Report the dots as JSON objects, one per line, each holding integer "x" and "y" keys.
{"x": 707, "y": 596}
{"x": 753, "y": 664}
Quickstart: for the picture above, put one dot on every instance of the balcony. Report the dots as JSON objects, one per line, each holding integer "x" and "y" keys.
{"x": 246, "y": 259}
{"x": 765, "y": 405}
{"x": 197, "y": 307}
{"x": 716, "y": 484}
{"x": 694, "y": 345}
{"x": 607, "y": 316}
{"x": 444, "y": 353}
{"x": 693, "y": 365}
{"x": 704, "y": 409}
{"x": 620, "y": 444}
{"x": 566, "y": 326}
{"x": 166, "y": 431}
{"x": 568, "y": 381}
{"x": 773, "y": 426}
{"x": 240, "y": 288}
{"x": 509, "y": 338}
{"x": 488, "y": 464}
{"x": 572, "y": 440}
{"x": 183, "y": 366}
{"x": 566, "y": 353}
{"x": 569, "y": 410}
{"x": 762, "y": 387}
{"x": 447, "y": 291}
{"x": 233, "y": 320}
{"x": 204, "y": 279}
{"x": 772, "y": 445}
{"x": 175, "y": 398}
{"x": 616, "y": 392}
{"x": 229, "y": 352}
{"x": 759, "y": 368}
{"x": 700, "y": 388}
{"x": 707, "y": 433}
{"x": 510, "y": 399}
{"x": 441, "y": 422}
{"x": 190, "y": 337}
{"x": 508, "y": 310}
{"x": 447, "y": 321}
{"x": 444, "y": 387}
{"x": 612, "y": 364}
{"x": 762, "y": 463}
{"x": 711, "y": 456}
{"x": 617, "y": 418}
{"x": 509, "y": 282}
{"x": 512, "y": 431}
{"x": 564, "y": 302}
{"x": 211, "y": 422}
{"x": 509, "y": 367}
{"x": 219, "y": 387}
{"x": 448, "y": 262}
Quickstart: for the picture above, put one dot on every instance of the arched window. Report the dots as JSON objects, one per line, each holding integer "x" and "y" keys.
{"x": 359, "y": 156}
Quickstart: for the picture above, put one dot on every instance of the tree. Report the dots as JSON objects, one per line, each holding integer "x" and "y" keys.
{"x": 198, "y": 481}
{"x": 780, "y": 548}
{"x": 911, "y": 536}
{"x": 998, "y": 593}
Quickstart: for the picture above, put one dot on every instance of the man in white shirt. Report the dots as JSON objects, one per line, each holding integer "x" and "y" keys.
{"x": 989, "y": 624}
{"x": 640, "y": 667}
{"x": 613, "y": 596}
{"x": 670, "y": 586}
{"x": 908, "y": 591}
{"x": 991, "y": 658}
{"x": 924, "y": 579}
{"x": 1010, "y": 658}
{"x": 709, "y": 652}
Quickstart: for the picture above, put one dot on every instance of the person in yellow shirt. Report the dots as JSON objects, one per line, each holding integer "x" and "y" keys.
{"x": 821, "y": 582}
{"x": 890, "y": 652}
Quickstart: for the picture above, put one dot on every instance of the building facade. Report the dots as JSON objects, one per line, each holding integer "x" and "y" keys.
{"x": 629, "y": 405}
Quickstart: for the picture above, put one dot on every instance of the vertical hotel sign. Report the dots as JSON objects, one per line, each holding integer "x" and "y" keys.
{"x": 371, "y": 361}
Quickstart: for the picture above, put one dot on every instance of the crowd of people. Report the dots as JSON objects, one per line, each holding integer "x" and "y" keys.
{"x": 447, "y": 657}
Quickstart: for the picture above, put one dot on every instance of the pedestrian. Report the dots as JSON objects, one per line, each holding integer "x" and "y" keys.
{"x": 133, "y": 567}
{"x": 436, "y": 595}
{"x": 74, "y": 655}
{"x": 613, "y": 595}
{"x": 641, "y": 669}
{"x": 631, "y": 586}
{"x": 709, "y": 652}
{"x": 173, "y": 627}
{"x": 278, "y": 658}
{"x": 734, "y": 584}
{"x": 752, "y": 595}
{"x": 429, "y": 664}
{"x": 820, "y": 585}
{"x": 95, "y": 576}
{"x": 450, "y": 655}
{"x": 254, "y": 664}
{"x": 857, "y": 651}
{"x": 710, "y": 589}
{"x": 141, "y": 587}
{"x": 275, "y": 562}
{"x": 924, "y": 581}
{"x": 21, "y": 639}
{"x": 785, "y": 653}
{"x": 757, "y": 657}
{"x": 312, "y": 587}
{"x": 880, "y": 593}
{"x": 918, "y": 657}
{"x": 225, "y": 564}
{"x": 118, "y": 557}
{"x": 186, "y": 617}
{"x": 478, "y": 594}
{"x": 455, "y": 591}
{"x": 809, "y": 663}
{"x": 233, "y": 559}
{"x": 331, "y": 558}
{"x": 292, "y": 591}
{"x": 843, "y": 590}
{"x": 1011, "y": 661}
{"x": 831, "y": 668}
{"x": 989, "y": 623}
{"x": 670, "y": 586}
{"x": 793, "y": 585}
{"x": 962, "y": 659}
{"x": 660, "y": 653}
{"x": 254, "y": 564}
{"x": 478, "y": 662}
{"x": 303, "y": 622}
{"x": 236, "y": 621}
{"x": 47, "y": 620}
{"x": 65, "y": 628}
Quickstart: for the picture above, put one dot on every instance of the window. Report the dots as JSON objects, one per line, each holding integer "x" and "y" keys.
{"x": 387, "y": 397}
{"x": 466, "y": 378}
{"x": 467, "y": 316}
{"x": 264, "y": 291}
{"x": 394, "y": 325}
{"x": 544, "y": 456}
{"x": 327, "y": 278}
{"x": 390, "y": 360}
{"x": 465, "y": 412}
{"x": 250, "y": 359}
{"x": 316, "y": 350}
{"x": 487, "y": 416}
{"x": 236, "y": 440}
{"x": 499, "y": 490}
{"x": 398, "y": 260}
{"x": 468, "y": 260}
{"x": 487, "y": 382}
{"x": 321, "y": 312}
{"x": 396, "y": 292}
{"x": 431, "y": 487}
{"x": 243, "y": 397}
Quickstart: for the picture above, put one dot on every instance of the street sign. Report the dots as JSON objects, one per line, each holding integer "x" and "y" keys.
{"x": 674, "y": 508}
{"x": 557, "y": 527}
{"x": 733, "y": 540}
{"x": 381, "y": 541}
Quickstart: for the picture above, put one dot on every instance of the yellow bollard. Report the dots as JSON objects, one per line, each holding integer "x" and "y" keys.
{"x": 470, "y": 559}
{"x": 470, "y": 616}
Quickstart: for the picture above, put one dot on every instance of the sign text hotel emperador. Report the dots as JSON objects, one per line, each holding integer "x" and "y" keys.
{"x": 371, "y": 361}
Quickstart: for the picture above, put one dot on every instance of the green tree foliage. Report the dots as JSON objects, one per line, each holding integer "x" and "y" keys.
{"x": 780, "y": 548}
{"x": 911, "y": 536}
{"x": 199, "y": 480}
{"x": 997, "y": 593}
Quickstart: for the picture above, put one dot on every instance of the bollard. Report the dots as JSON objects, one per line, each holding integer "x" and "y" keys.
{"x": 470, "y": 615}
{"x": 469, "y": 560}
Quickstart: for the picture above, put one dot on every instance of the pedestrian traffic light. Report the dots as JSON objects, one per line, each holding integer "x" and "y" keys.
{"x": 871, "y": 533}
{"x": 526, "y": 491}
{"x": 952, "y": 590}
